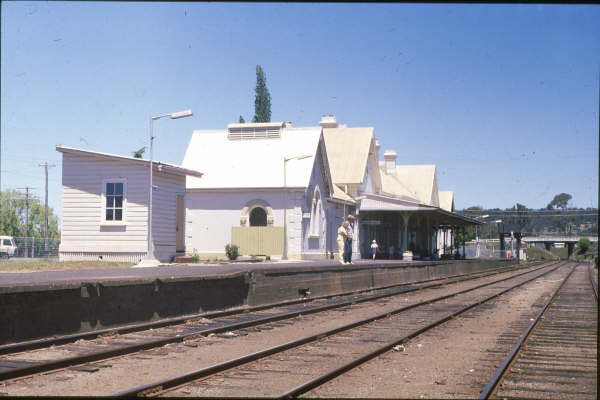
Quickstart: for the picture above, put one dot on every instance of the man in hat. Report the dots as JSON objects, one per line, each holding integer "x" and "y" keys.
{"x": 341, "y": 242}
{"x": 349, "y": 237}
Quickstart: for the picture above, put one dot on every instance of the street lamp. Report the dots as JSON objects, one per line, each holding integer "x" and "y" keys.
{"x": 284, "y": 256}
{"x": 477, "y": 250}
{"x": 175, "y": 115}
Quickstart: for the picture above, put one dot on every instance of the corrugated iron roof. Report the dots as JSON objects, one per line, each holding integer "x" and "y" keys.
{"x": 348, "y": 151}
{"x": 251, "y": 163}
{"x": 157, "y": 165}
{"x": 446, "y": 200}
{"x": 415, "y": 181}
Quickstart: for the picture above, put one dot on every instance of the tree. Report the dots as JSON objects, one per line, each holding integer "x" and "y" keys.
{"x": 561, "y": 222}
{"x": 559, "y": 201}
{"x": 242, "y": 120}
{"x": 520, "y": 216}
{"x": 460, "y": 237}
{"x": 584, "y": 245}
{"x": 13, "y": 216}
{"x": 138, "y": 154}
{"x": 262, "y": 100}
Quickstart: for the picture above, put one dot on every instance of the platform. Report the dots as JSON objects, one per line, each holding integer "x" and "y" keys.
{"x": 40, "y": 304}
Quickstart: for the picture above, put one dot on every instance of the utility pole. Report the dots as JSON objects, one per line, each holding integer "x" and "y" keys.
{"x": 26, "y": 188}
{"x": 46, "y": 165}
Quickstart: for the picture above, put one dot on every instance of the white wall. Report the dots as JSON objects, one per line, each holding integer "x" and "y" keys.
{"x": 210, "y": 214}
{"x": 314, "y": 243}
{"x": 84, "y": 235}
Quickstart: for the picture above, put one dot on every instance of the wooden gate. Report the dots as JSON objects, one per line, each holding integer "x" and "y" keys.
{"x": 258, "y": 240}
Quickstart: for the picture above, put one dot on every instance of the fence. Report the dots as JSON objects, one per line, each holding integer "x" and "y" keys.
{"x": 258, "y": 240}
{"x": 490, "y": 249}
{"x": 31, "y": 247}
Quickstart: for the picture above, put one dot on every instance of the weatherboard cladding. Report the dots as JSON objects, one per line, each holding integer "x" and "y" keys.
{"x": 82, "y": 201}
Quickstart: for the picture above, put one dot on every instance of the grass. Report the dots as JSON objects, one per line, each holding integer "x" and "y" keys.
{"x": 562, "y": 253}
{"x": 16, "y": 265}
{"x": 539, "y": 254}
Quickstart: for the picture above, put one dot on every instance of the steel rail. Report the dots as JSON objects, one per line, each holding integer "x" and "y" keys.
{"x": 318, "y": 381}
{"x": 128, "y": 349}
{"x": 489, "y": 388}
{"x": 64, "y": 339}
{"x": 593, "y": 281}
{"x": 173, "y": 382}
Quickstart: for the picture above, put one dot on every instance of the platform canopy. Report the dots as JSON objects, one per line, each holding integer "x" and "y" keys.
{"x": 442, "y": 218}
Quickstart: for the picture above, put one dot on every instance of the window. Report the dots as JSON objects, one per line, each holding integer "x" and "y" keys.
{"x": 114, "y": 193}
{"x": 258, "y": 217}
{"x": 314, "y": 228}
{"x": 7, "y": 242}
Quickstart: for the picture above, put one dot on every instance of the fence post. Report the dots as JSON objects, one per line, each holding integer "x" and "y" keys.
{"x": 33, "y": 247}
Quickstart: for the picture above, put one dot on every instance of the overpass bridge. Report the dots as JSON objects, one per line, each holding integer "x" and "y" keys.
{"x": 549, "y": 240}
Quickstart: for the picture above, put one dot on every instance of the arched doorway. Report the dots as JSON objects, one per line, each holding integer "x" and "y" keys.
{"x": 258, "y": 217}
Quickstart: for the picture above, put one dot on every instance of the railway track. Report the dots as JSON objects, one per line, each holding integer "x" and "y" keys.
{"x": 64, "y": 339}
{"x": 309, "y": 362}
{"x": 14, "y": 365}
{"x": 556, "y": 355}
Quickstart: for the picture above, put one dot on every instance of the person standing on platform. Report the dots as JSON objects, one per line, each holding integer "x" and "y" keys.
{"x": 374, "y": 247}
{"x": 341, "y": 241}
{"x": 349, "y": 237}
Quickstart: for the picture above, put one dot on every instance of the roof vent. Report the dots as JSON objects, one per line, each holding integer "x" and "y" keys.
{"x": 328, "y": 121}
{"x": 262, "y": 130}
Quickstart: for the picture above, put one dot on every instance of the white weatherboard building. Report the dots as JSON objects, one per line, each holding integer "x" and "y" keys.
{"x": 105, "y": 207}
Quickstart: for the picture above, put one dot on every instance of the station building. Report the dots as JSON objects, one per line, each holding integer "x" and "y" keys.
{"x": 270, "y": 188}
{"x": 261, "y": 177}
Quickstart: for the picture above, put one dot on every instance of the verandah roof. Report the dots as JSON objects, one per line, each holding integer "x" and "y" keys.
{"x": 442, "y": 217}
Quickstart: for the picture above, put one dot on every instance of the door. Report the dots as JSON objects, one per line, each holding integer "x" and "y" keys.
{"x": 179, "y": 228}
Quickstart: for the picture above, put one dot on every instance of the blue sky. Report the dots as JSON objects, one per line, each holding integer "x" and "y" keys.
{"x": 502, "y": 98}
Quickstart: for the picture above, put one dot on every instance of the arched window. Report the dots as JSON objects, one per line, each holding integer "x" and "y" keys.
{"x": 316, "y": 214}
{"x": 258, "y": 217}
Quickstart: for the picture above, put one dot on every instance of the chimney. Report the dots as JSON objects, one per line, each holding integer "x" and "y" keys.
{"x": 390, "y": 161}
{"x": 328, "y": 121}
{"x": 287, "y": 124}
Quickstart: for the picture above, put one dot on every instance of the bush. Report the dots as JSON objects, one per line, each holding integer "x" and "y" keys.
{"x": 195, "y": 256}
{"x": 584, "y": 245}
{"x": 232, "y": 251}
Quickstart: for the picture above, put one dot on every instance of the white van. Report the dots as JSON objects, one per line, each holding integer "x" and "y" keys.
{"x": 7, "y": 246}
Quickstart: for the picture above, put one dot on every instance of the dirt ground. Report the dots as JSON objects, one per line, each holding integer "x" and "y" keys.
{"x": 450, "y": 361}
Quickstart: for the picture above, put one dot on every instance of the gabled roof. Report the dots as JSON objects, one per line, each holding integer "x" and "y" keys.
{"x": 348, "y": 151}
{"x": 412, "y": 181}
{"x": 156, "y": 165}
{"x": 446, "y": 200}
{"x": 252, "y": 163}
{"x": 339, "y": 194}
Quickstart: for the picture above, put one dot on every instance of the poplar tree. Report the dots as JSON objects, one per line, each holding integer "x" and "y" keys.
{"x": 262, "y": 100}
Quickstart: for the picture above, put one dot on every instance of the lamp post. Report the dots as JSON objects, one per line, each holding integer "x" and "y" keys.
{"x": 495, "y": 222}
{"x": 284, "y": 256}
{"x": 175, "y": 115}
{"x": 477, "y": 250}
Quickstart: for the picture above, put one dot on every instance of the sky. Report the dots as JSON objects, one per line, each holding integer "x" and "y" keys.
{"x": 502, "y": 98}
